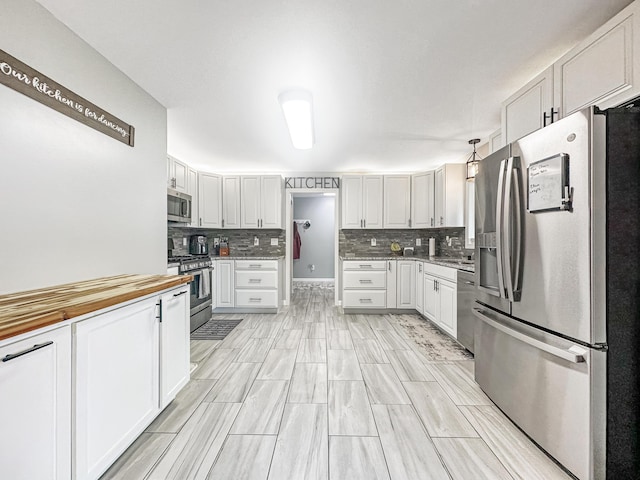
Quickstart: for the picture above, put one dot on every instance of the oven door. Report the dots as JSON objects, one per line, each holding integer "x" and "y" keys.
{"x": 200, "y": 297}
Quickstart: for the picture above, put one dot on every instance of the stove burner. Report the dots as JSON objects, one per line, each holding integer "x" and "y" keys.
{"x": 189, "y": 263}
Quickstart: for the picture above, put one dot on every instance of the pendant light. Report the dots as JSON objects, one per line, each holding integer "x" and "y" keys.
{"x": 473, "y": 160}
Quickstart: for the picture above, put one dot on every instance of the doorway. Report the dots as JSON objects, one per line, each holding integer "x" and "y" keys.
{"x": 315, "y": 215}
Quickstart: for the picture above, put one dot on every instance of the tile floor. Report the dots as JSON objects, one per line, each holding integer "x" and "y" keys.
{"x": 311, "y": 393}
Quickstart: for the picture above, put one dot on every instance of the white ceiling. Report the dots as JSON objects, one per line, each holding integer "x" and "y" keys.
{"x": 397, "y": 85}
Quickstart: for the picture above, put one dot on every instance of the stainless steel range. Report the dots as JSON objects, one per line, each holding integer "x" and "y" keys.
{"x": 200, "y": 267}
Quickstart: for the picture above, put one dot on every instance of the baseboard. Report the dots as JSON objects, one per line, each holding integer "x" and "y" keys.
{"x": 314, "y": 279}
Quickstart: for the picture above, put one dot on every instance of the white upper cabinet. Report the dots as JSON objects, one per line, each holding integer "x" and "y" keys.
{"x": 372, "y": 199}
{"x": 604, "y": 69}
{"x": 261, "y": 202}
{"x": 351, "y": 190}
{"x": 362, "y": 200}
{"x": 422, "y": 197}
{"x": 177, "y": 174}
{"x": 231, "y": 202}
{"x": 397, "y": 201}
{"x": 250, "y": 202}
{"x": 495, "y": 141}
{"x": 209, "y": 200}
{"x": 192, "y": 189}
{"x": 449, "y": 195}
{"x": 529, "y": 108}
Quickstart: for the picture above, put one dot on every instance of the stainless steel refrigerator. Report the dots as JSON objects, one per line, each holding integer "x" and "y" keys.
{"x": 557, "y": 249}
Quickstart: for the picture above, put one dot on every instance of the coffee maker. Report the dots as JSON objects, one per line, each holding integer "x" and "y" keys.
{"x": 198, "y": 245}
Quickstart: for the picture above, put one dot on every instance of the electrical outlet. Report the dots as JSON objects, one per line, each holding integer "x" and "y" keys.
{"x": 373, "y": 242}
{"x": 184, "y": 241}
{"x": 256, "y": 241}
{"x": 274, "y": 241}
{"x": 418, "y": 242}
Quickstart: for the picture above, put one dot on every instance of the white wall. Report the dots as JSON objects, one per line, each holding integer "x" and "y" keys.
{"x": 74, "y": 203}
{"x": 317, "y": 246}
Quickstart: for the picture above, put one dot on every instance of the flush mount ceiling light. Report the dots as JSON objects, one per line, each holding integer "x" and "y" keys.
{"x": 297, "y": 107}
{"x": 473, "y": 161}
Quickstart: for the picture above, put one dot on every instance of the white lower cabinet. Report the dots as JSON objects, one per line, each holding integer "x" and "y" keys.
{"x": 419, "y": 285}
{"x": 225, "y": 297}
{"x": 35, "y": 407}
{"x": 174, "y": 344}
{"x": 406, "y": 284}
{"x": 440, "y": 301}
{"x": 256, "y": 283}
{"x": 364, "y": 284}
{"x": 116, "y": 385}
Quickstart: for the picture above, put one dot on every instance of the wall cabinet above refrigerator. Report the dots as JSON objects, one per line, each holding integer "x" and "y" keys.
{"x": 602, "y": 70}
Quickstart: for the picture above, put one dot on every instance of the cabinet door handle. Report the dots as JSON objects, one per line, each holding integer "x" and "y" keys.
{"x": 441, "y": 221}
{"x": 409, "y": 223}
{"x": 360, "y": 223}
{"x": 365, "y": 223}
{"x": 11, "y": 356}
{"x": 181, "y": 293}
{"x": 223, "y": 223}
{"x": 432, "y": 221}
{"x": 200, "y": 221}
{"x": 389, "y": 265}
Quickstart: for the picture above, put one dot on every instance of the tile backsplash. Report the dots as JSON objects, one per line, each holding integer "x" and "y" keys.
{"x": 358, "y": 242}
{"x": 240, "y": 241}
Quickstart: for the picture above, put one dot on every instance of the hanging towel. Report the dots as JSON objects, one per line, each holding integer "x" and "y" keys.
{"x": 205, "y": 283}
{"x": 297, "y": 243}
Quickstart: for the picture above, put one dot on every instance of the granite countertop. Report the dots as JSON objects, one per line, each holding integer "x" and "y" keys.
{"x": 246, "y": 257}
{"x": 459, "y": 264}
{"x": 23, "y": 312}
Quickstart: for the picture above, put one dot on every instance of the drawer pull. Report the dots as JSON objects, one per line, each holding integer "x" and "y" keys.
{"x": 255, "y": 266}
{"x": 366, "y": 280}
{"x": 366, "y": 300}
{"x": 254, "y": 300}
{"x": 178, "y": 294}
{"x": 365, "y": 266}
{"x": 255, "y": 280}
{"x": 11, "y": 356}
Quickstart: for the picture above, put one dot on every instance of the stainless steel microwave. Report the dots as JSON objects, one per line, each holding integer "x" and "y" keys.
{"x": 178, "y": 206}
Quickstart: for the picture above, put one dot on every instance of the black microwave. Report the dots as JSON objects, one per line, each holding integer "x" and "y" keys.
{"x": 178, "y": 206}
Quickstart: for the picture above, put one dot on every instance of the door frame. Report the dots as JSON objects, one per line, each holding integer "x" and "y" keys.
{"x": 289, "y": 194}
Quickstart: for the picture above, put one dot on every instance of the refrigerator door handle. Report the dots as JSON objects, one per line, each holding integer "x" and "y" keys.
{"x": 499, "y": 229}
{"x": 570, "y": 356}
{"x": 513, "y": 165}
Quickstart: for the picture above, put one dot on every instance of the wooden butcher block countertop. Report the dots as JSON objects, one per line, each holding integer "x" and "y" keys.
{"x": 26, "y": 311}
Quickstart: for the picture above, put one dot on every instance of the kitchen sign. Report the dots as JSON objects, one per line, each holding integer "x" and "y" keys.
{"x": 312, "y": 182}
{"x": 24, "y": 79}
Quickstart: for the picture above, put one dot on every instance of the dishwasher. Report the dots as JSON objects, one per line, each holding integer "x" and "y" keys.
{"x": 466, "y": 298}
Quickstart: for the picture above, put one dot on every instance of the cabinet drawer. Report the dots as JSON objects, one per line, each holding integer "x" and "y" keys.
{"x": 364, "y": 298}
{"x": 257, "y": 298}
{"x": 256, "y": 279}
{"x": 364, "y": 265}
{"x": 256, "y": 264}
{"x": 440, "y": 271}
{"x": 364, "y": 279}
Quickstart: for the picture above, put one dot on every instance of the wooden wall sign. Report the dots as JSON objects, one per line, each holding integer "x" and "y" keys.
{"x": 24, "y": 79}
{"x": 312, "y": 182}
